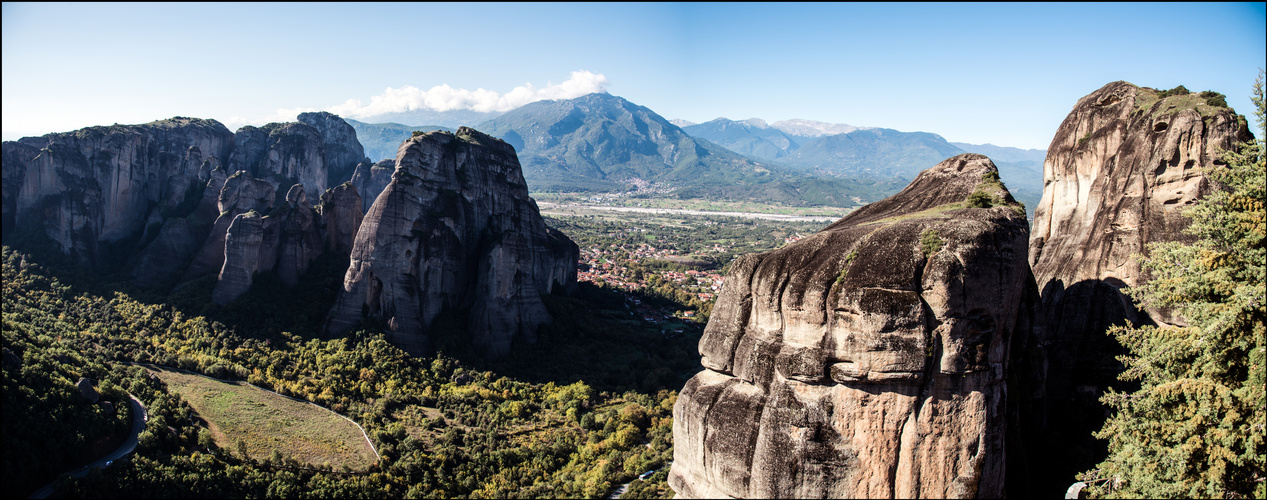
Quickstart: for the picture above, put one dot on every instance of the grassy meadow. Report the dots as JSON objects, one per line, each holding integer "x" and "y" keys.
{"x": 265, "y": 421}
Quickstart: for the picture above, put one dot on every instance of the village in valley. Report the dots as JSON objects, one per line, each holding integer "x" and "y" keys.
{"x": 670, "y": 271}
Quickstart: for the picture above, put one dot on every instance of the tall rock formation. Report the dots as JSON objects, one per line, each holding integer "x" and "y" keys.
{"x": 94, "y": 190}
{"x": 1118, "y": 174}
{"x": 157, "y": 200}
{"x": 242, "y": 257}
{"x": 340, "y": 216}
{"x": 867, "y": 360}
{"x": 279, "y": 155}
{"x": 282, "y": 154}
{"x": 371, "y": 179}
{"x": 286, "y": 241}
{"x": 238, "y": 194}
{"x": 455, "y": 230}
{"x": 342, "y": 152}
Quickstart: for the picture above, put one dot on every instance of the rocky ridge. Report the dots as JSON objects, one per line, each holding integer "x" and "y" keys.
{"x": 157, "y": 200}
{"x": 822, "y": 389}
{"x": 107, "y": 184}
{"x": 867, "y": 360}
{"x": 455, "y": 230}
{"x": 286, "y": 241}
{"x": 1120, "y": 170}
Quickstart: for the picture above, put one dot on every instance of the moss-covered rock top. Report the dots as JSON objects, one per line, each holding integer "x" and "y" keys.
{"x": 1151, "y": 102}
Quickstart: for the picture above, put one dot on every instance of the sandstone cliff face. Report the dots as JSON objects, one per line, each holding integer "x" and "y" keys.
{"x": 103, "y": 184}
{"x": 241, "y": 193}
{"x": 371, "y": 179}
{"x": 1120, "y": 170}
{"x": 342, "y": 152}
{"x": 299, "y": 242}
{"x": 455, "y": 229}
{"x": 1118, "y": 174}
{"x": 277, "y": 155}
{"x": 286, "y": 241}
{"x": 340, "y": 217}
{"x": 282, "y": 154}
{"x": 243, "y": 241}
{"x": 179, "y": 239}
{"x": 159, "y": 199}
{"x": 867, "y": 360}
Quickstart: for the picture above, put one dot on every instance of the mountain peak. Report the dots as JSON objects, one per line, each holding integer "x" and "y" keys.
{"x": 811, "y": 128}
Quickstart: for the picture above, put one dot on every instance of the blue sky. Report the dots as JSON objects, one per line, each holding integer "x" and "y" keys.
{"x": 1005, "y": 74}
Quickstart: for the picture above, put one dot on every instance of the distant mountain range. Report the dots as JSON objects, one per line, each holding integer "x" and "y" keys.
{"x": 749, "y": 137}
{"x": 601, "y": 142}
{"x": 604, "y": 142}
{"x": 451, "y": 119}
{"x": 381, "y": 140}
{"x": 840, "y": 150}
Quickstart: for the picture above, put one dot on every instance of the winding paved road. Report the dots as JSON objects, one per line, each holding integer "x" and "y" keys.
{"x": 139, "y": 417}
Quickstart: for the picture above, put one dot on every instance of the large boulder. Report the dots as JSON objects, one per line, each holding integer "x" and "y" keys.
{"x": 867, "y": 360}
{"x": 1120, "y": 170}
{"x": 87, "y": 389}
{"x": 455, "y": 230}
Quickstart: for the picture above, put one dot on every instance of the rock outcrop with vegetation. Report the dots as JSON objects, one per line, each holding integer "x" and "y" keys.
{"x": 455, "y": 230}
{"x": 1120, "y": 170}
{"x": 867, "y": 360}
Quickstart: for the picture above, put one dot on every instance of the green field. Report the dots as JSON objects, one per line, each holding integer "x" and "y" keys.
{"x": 265, "y": 421}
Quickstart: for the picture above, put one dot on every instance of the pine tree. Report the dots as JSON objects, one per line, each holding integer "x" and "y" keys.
{"x": 1196, "y": 426}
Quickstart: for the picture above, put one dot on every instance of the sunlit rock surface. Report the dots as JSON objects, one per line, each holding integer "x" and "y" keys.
{"x": 1119, "y": 172}
{"x": 455, "y": 230}
{"x": 867, "y": 360}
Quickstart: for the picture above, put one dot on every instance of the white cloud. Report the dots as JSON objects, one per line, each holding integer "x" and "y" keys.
{"x": 446, "y": 98}
{"x": 443, "y": 98}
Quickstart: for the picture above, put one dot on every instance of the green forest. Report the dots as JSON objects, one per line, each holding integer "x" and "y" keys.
{"x": 582, "y": 411}
{"x": 587, "y": 408}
